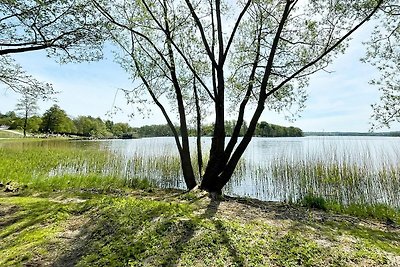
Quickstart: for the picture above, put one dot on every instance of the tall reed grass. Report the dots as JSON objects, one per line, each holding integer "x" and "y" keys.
{"x": 340, "y": 177}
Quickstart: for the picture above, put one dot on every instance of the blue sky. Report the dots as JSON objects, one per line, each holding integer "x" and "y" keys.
{"x": 339, "y": 101}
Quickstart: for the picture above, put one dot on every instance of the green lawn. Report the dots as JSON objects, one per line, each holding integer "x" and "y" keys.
{"x": 172, "y": 228}
{"x": 6, "y": 134}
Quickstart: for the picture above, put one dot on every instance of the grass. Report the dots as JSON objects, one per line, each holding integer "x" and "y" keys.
{"x": 27, "y": 225}
{"x": 55, "y": 165}
{"x": 6, "y": 134}
{"x": 165, "y": 228}
{"x": 380, "y": 212}
{"x": 334, "y": 185}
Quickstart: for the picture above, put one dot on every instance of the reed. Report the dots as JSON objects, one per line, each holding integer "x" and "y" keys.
{"x": 58, "y": 164}
{"x": 340, "y": 178}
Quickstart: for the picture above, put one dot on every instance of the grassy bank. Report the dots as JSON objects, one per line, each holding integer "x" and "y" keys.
{"x": 171, "y": 228}
{"x": 336, "y": 186}
{"x": 7, "y": 134}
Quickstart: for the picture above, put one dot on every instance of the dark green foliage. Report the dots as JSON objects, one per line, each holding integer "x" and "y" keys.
{"x": 56, "y": 120}
{"x": 154, "y": 130}
{"x": 271, "y": 130}
{"x": 314, "y": 202}
{"x": 9, "y": 119}
{"x": 89, "y": 126}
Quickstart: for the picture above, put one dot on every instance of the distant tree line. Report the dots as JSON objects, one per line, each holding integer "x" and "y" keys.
{"x": 393, "y": 134}
{"x": 56, "y": 121}
{"x": 265, "y": 129}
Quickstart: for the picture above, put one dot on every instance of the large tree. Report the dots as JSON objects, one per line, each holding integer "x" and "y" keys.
{"x": 233, "y": 57}
{"x": 56, "y": 120}
{"x": 384, "y": 53}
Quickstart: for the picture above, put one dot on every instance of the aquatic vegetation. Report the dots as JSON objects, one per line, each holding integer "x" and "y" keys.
{"x": 337, "y": 178}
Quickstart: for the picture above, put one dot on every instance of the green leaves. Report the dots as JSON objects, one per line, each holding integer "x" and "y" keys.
{"x": 383, "y": 52}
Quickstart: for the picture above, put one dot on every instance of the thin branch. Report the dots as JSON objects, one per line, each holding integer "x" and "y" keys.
{"x": 340, "y": 41}
{"x": 202, "y": 33}
{"x": 235, "y": 28}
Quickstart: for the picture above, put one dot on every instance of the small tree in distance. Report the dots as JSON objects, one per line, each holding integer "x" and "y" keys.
{"x": 238, "y": 58}
{"x": 27, "y": 106}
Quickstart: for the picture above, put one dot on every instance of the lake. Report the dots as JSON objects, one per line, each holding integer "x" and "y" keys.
{"x": 346, "y": 169}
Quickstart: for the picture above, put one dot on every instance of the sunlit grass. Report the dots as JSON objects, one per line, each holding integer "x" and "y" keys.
{"x": 51, "y": 165}
{"x": 64, "y": 229}
{"x": 60, "y": 164}
{"x": 6, "y": 134}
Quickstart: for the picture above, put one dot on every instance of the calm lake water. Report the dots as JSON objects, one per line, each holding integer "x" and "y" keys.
{"x": 345, "y": 168}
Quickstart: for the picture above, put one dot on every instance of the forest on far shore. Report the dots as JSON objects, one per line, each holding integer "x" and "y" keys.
{"x": 56, "y": 121}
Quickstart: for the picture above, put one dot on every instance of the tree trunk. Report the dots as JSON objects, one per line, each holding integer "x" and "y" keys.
{"x": 25, "y": 123}
{"x": 217, "y": 160}
{"x": 223, "y": 165}
{"x": 186, "y": 162}
{"x": 198, "y": 130}
{"x": 187, "y": 170}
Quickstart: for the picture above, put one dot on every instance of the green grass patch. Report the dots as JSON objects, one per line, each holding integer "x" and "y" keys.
{"x": 6, "y": 134}
{"x": 58, "y": 165}
{"x": 28, "y": 226}
{"x": 380, "y": 212}
{"x": 141, "y": 231}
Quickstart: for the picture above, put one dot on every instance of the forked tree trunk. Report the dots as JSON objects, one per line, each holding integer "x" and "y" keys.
{"x": 187, "y": 170}
{"x": 215, "y": 179}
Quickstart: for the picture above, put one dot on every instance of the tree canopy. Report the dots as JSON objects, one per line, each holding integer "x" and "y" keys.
{"x": 56, "y": 120}
{"x": 197, "y": 59}
{"x": 68, "y": 30}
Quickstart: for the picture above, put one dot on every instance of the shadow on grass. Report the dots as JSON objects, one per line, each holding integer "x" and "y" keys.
{"x": 189, "y": 234}
{"x": 126, "y": 231}
{"x": 152, "y": 236}
{"x": 18, "y": 219}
